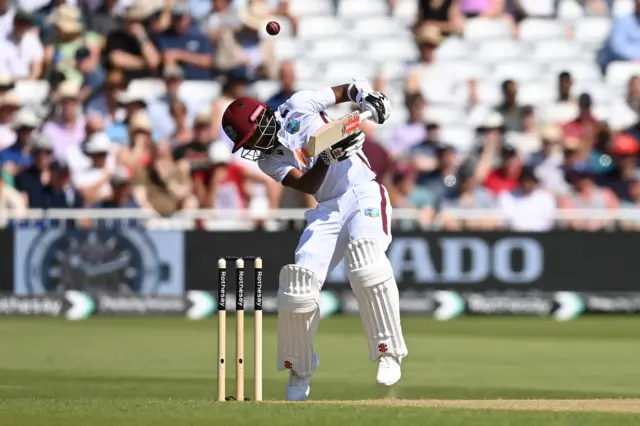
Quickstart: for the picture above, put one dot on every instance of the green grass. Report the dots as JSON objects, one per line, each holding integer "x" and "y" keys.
{"x": 161, "y": 371}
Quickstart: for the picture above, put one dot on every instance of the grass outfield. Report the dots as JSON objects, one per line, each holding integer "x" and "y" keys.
{"x": 480, "y": 371}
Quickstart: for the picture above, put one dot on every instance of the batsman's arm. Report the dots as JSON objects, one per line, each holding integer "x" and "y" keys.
{"x": 308, "y": 182}
{"x": 342, "y": 93}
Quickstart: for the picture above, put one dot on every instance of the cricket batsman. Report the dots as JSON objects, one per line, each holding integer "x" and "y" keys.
{"x": 351, "y": 221}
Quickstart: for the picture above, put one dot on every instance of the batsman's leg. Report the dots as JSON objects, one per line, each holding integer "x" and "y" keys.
{"x": 371, "y": 278}
{"x": 298, "y": 319}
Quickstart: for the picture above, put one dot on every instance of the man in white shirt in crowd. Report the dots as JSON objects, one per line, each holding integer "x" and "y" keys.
{"x": 92, "y": 165}
{"x": 25, "y": 48}
{"x": 9, "y": 106}
{"x": 7, "y": 12}
{"x": 528, "y": 208}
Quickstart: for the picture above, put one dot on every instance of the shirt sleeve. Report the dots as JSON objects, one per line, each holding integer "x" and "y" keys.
{"x": 313, "y": 101}
{"x": 275, "y": 168}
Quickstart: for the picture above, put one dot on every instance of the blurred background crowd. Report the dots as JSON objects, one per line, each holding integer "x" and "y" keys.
{"x": 506, "y": 112}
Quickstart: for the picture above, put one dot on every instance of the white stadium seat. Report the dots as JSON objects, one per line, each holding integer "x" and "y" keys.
{"x": 519, "y": 70}
{"x": 444, "y": 114}
{"x": 200, "y": 91}
{"x": 558, "y": 113}
{"x": 488, "y": 92}
{"x": 349, "y": 9}
{"x": 330, "y": 48}
{"x": 151, "y": 87}
{"x": 264, "y": 89}
{"x": 453, "y": 48}
{"x": 392, "y": 70}
{"x": 32, "y": 92}
{"x": 345, "y": 70}
{"x": 600, "y": 93}
{"x": 535, "y": 94}
{"x": 557, "y": 50}
{"x": 579, "y": 70}
{"x": 622, "y": 7}
{"x": 592, "y": 30}
{"x": 320, "y": 26}
{"x": 541, "y": 29}
{"x": 619, "y": 73}
{"x": 287, "y": 48}
{"x": 406, "y": 11}
{"x": 307, "y": 70}
{"x": 569, "y": 10}
{"x": 376, "y": 27}
{"x": 310, "y": 8}
{"x": 498, "y": 50}
{"x": 482, "y": 29}
{"x": 389, "y": 49}
{"x": 461, "y": 137}
{"x": 464, "y": 69}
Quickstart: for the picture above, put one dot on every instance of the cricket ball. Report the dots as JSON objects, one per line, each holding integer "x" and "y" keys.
{"x": 273, "y": 28}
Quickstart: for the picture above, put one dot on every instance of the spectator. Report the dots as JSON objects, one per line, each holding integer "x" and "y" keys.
{"x": 92, "y": 75}
{"x": 121, "y": 198}
{"x": 227, "y": 189}
{"x": 32, "y": 181}
{"x": 130, "y": 49}
{"x": 528, "y": 140}
{"x": 428, "y": 38}
{"x": 25, "y": 48}
{"x": 632, "y": 206}
{"x": 48, "y": 106}
{"x": 9, "y": 106}
{"x": 489, "y": 140}
{"x": 406, "y": 135}
{"x": 131, "y": 102}
{"x": 183, "y": 132}
{"x": 184, "y": 46}
{"x": 232, "y": 89}
{"x": 376, "y": 156}
{"x": 424, "y": 155}
{"x": 547, "y": 162}
{"x": 242, "y": 53}
{"x": 483, "y": 8}
{"x": 596, "y": 7}
{"x": 625, "y": 112}
{"x": 585, "y": 194}
{"x": 528, "y": 208}
{"x": 164, "y": 186}
{"x": 93, "y": 181}
{"x": 565, "y": 88}
{"x": 159, "y": 109}
{"x": 444, "y": 176}
{"x": 12, "y": 204}
{"x": 522, "y": 9}
{"x": 63, "y": 41}
{"x": 565, "y": 108}
{"x": 625, "y": 150}
{"x": 287, "y": 81}
{"x": 505, "y": 176}
{"x": 60, "y": 193}
{"x": 67, "y": 128}
{"x": 17, "y": 157}
{"x": 105, "y": 103}
{"x": 466, "y": 194}
{"x": 223, "y": 17}
{"x": 444, "y": 14}
{"x": 585, "y": 123}
{"x": 105, "y": 18}
{"x": 511, "y": 112}
{"x": 140, "y": 136}
{"x": 7, "y": 12}
{"x": 196, "y": 155}
{"x": 409, "y": 195}
{"x": 622, "y": 45}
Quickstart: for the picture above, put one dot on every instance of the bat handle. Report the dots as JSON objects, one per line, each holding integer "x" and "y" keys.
{"x": 365, "y": 115}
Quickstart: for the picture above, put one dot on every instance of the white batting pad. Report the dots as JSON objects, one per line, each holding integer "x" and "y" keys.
{"x": 298, "y": 318}
{"x": 376, "y": 291}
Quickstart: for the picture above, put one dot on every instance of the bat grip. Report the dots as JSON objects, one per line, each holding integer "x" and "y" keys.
{"x": 365, "y": 115}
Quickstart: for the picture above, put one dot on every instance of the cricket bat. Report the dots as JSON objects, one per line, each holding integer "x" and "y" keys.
{"x": 335, "y": 131}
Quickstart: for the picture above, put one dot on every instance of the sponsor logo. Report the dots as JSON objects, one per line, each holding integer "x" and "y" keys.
{"x": 371, "y": 212}
{"x": 287, "y": 365}
{"x": 292, "y": 126}
{"x": 351, "y": 126}
{"x": 231, "y": 133}
{"x": 382, "y": 347}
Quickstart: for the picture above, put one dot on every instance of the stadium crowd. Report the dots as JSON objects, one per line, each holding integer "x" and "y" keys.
{"x": 101, "y": 138}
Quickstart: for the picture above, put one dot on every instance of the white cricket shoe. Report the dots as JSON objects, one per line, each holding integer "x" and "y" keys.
{"x": 389, "y": 371}
{"x": 298, "y": 387}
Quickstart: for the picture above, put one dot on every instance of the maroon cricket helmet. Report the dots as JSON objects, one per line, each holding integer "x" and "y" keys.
{"x": 240, "y": 120}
